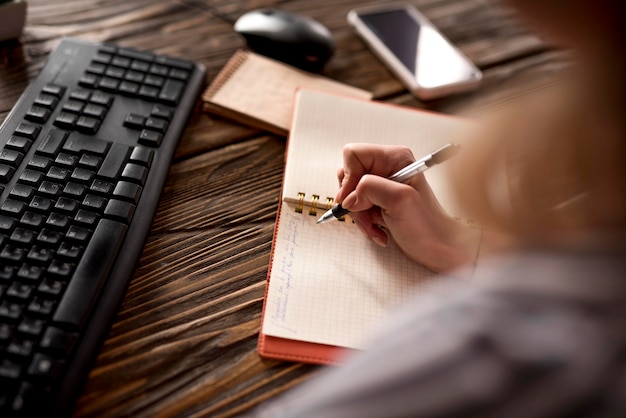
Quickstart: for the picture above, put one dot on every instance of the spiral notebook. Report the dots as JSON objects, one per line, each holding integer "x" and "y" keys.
{"x": 259, "y": 91}
{"x": 328, "y": 287}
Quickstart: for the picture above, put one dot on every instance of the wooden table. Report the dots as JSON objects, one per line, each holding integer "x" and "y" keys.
{"x": 184, "y": 341}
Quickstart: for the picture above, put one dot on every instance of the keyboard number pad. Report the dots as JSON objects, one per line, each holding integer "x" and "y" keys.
{"x": 138, "y": 74}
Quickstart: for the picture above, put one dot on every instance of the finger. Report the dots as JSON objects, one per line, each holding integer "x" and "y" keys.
{"x": 340, "y": 176}
{"x": 361, "y": 159}
{"x": 378, "y": 191}
{"x": 369, "y": 223}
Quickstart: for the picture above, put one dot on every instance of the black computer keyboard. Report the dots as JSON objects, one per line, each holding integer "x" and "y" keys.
{"x": 83, "y": 158}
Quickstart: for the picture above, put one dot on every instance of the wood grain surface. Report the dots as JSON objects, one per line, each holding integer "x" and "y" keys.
{"x": 184, "y": 341}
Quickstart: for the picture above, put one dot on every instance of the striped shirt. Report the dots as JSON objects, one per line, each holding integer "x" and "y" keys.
{"x": 538, "y": 335}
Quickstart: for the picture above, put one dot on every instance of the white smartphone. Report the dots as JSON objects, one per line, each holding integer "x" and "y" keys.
{"x": 424, "y": 60}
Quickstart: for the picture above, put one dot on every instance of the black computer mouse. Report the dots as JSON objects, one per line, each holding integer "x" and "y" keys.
{"x": 294, "y": 39}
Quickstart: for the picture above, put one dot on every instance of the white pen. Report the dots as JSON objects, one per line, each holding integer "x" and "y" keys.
{"x": 419, "y": 166}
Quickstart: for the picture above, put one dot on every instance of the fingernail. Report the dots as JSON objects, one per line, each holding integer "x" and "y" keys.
{"x": 349, "y": 201}
{"x": 379, "y": 241}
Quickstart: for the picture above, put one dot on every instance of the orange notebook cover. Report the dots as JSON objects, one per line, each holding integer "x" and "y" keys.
{"x": 329, "y": 288}
{"x": 258, "y": 91}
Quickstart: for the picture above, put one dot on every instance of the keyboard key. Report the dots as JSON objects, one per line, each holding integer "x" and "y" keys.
{"x": 108, "y": 84}
{"x": 58, "y": 341}
{"x": 158, "y": 69}
{"x": 82, "y": 95}
{"x": 40, "y": 254}
{"x": 179, "y": 74}
{"x": 58, "y": 174}
{"x": 142, "y": 156}
{"x": 129, "y": 88}
{"x": 66, "y": 120}
{"x": 82, "y": 175}
{"x": 171, "y": 92}
{"x": 150, "y": 138}
{"x": 37, "y": 114}
{"x": 135, "y": 173}
{"x": 114, "y": 72}
{"x": 40, "y": 204}
{"x": 90, "y": 161}
{"x": 19, "y": 291}
{"x": 156, "y": 124}
{"x": 6, "y": 172}
{"x": 127, "y": 191}
{"x": 78, "y": 233}
{"x": 57, "y": 221}
{"x": 81, "y": 144}
{"x": 102, "y": 99}
{"x": 12, "y": 207}
{"x": 29, "y": 272}
{"x": 46, "y": 368}
{"x": 20, "y": 349}
{"x": 11, "y": 157}
{"x": 94, "y": 202}
{"x": 32, "y": 220}
{"x": 31, "y": 177}
{"x": 66, "y": 205}
{"x": 120, "y": 61}
{"x": 10, "y": 311}
{"x": 148, "y": 92}
{"x": 7, "y": 224}
{"x": 22, "y": 236}
{"x": 27, "y": 130}
{"x": 22, "y": 192}
{"x": 154, "y": 80}
{"x": 73, "y": 106}
{"x": 86, "y": 217}
{"x": 87, "y": 125}
{"x": 118, "y": 210}
{"x": 89, "y": 80}
{"x": 68, "y": 250}
{"x": 74, "y": 190}
{"x": 66, "y": 160}
{"x": 102, "y": 187}
{"x": 161, "y": 111}
{"x": 51, "y": 288}
{"x": 19, "y": 143}
{"x": 50, "y": 189}
{"x": 53, "y": 89}
{"x": 41, "y": 307}
{"x": 46, "y": 100}
{"x": 175, "y": 62}
{"x": 95, "y": 111}
{"x": 52, "y": 142}
{"x": 61, "y": 269}
{"x": 134, "y": 121}
{"x": 136, "y": 55}
{"x": 40, "y": 162}
{"x": 112, "y": 165}
{"x": 49, "y": 237}
{"x": 83, "y": 290}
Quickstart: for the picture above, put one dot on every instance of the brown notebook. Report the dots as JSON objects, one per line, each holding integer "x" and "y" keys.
{"x": 328, "y": 287}
{"x": 258, "y": 91}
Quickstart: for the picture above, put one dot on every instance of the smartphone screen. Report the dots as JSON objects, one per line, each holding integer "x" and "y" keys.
{"x": 431, "y": 59}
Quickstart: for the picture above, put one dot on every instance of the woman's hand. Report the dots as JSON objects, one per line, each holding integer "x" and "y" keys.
{"x": 408, "y": 212}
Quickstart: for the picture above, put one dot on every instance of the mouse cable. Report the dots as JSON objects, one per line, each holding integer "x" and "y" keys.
{"x": 205, "y": 6}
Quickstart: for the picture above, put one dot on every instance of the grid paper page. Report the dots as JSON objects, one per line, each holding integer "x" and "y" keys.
{"x": 336, "y": 289}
